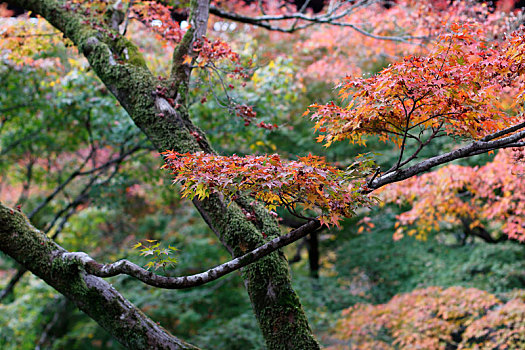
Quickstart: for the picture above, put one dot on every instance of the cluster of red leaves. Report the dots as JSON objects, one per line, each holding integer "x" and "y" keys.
{"x": 456, "y": 88}
{"x": 158, "y": 18}
{"x": 267, "y": 126}
{"x": 431, "y": 318}
{"x": 213, "y": 51}
{"x": 246, "y": 113}
{"x": 308, "y": 182}
{"x": 493, "y": 194}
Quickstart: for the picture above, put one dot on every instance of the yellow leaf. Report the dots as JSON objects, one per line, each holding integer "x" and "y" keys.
{"x": 187, "y": 59}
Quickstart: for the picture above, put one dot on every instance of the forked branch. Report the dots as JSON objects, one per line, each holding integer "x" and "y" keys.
{"x": 488, "y": 143}
{"x": 332, "y": 17}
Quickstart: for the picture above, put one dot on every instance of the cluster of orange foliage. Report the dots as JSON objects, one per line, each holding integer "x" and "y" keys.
{"x": 308, "y": 182}
{"x": 462, "y": 86}
{"x": 455, "y": 89}
{"x": 466, "y": 86}
{"x": 489, "y": 196}
{"x": 436, "y": 318}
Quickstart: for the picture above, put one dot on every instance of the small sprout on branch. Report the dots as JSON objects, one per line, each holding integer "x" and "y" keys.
{"x": 159, "y": 257}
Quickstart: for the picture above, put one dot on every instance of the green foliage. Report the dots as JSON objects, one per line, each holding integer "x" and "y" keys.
{"x": 241, "y": 332}
{"x": 20, "y": 320}
{"x": 158, "y": 256}
{"x": 70, "y": 111}
{"x": 400, "y": 266}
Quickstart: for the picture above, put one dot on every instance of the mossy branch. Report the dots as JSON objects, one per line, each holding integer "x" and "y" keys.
{"x": 128, "y": 268}
{"x": 97, "y": 298}
{"x": 277, "y": 307}
{"x": 198, "y": 22}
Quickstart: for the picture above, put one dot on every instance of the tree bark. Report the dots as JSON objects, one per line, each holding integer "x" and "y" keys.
{"x": 94, "y": 296}
{"x": 276, "y": 305}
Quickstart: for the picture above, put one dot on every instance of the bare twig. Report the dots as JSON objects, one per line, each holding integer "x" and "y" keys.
{"x": 126, "y": 17}
{"x": 331, "y": 18}
{"x": 72, "y": 208}
{"x": 60, "y": 187}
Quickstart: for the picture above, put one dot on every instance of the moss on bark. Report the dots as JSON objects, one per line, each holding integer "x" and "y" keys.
{"x": 39, "y": 254}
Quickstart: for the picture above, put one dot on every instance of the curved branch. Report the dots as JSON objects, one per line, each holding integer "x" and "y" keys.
{"x": 125, "y": 267}
{"x": 479, "y": 231}
{"x": 267, "y": 282}
{"x": 97, "y": 298}
{"x": 330, "y": 18}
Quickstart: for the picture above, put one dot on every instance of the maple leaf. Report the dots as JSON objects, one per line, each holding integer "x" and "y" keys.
{"x": 187, "y": 59}
{"x": 442, "y": 91}
{"x": 308, "y": 182}
{"x": 468, "y": 197}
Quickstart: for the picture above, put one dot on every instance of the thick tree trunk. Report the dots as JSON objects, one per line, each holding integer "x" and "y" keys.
{"x": 97, "y": 298}
{"x": 276, "y": 305}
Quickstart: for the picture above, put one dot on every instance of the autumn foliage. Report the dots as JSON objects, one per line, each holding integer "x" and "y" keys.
{"x": 456, "y": 90}
{"x": 468, "y": 85}
{"x": 452, "y": 74}
{"x": 489, "y": 197}
{"x": 157, "y": 17}
{"x": 331, "y": 51}
{"x": 306, "y": 184}
{"x": 436, "y": 318}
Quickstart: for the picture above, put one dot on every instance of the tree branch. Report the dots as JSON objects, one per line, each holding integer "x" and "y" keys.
{"x": 504, "y": 132}
{"x": 330, "y": 18}
{"x": 97, "y": 298}
{"x": 60, "y": 187}
{"x": 198, "y": 21}
{"x": 474, "y": 148}
{"x": 128, "y": 268}
{"x": 267, "y": 282}
{"x": 70, "y": 210}
{"x": 479, "y": 231}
